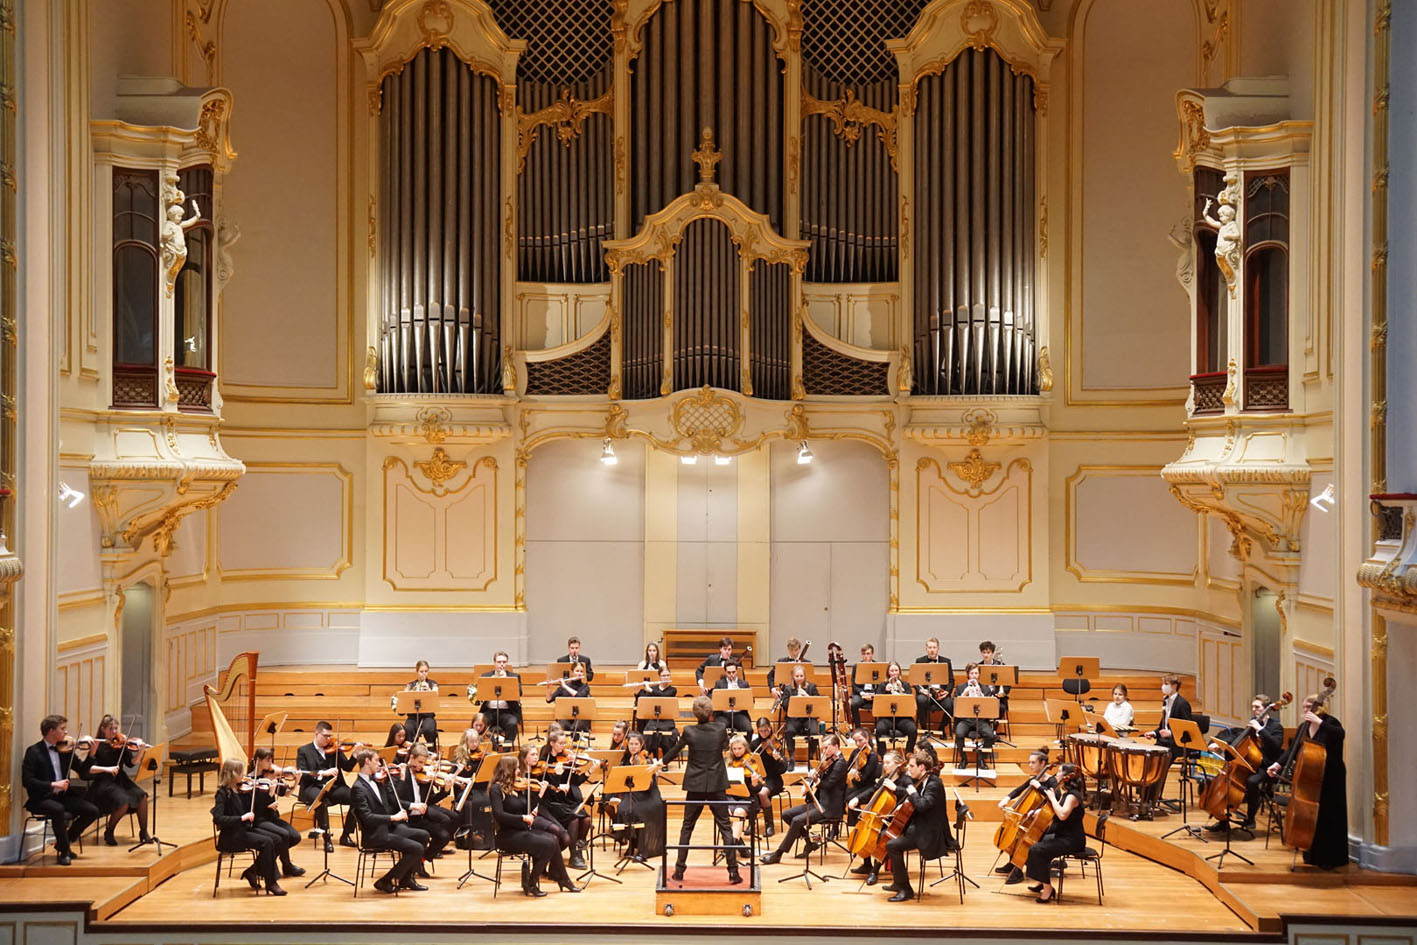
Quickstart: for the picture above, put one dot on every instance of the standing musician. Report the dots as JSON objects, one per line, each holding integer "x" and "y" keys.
{"x": 863, "y": 771}
{"x": 929, "y": 828}
{"x": 661, "y": 733}
{"x": 741, "y": 720}
{"x": 512, "y": 812}
{"x": 422, "y": 724}
{"x": 1330, "y": 847}
{"x": 419, "y": 793}
{"x": 110, "y": 786}
{"x": 1173, "y": 706}
{"x": 1066, "y": 834}
{"x": 574, "y": 656}
{"x": 233, "y": 813}
{"x": 932, "y": 699}
{"x": 900, "y": 726}
{"x": 45, "y": 772}
{"x": 1037, "y": 764}
{"x": 800, "y": 725}
{"x": 768, "y": 747}
{"x": 1269, "y": 736}
{"x": 893, "y": 779}
{"x": 652, "y": 658}
{"x": 319, "y": 761}
{"x": 723, "y": 657}
{"x": 644, "y": 806}
{"x": 269, "y": 788}
{"x": 705, "y": 779}
{"x": 830, "y": 792}
{"x": 563, "y": 797}
{"x": 383, "y": 824}
{"x": 571, "y": 687}
{"x": 862, "y": 693}
{"x": 500, "y": 712}
{"x": 794, "y": 650}
{"x": 988, "y": 656}
{"x": 982, "y": 730}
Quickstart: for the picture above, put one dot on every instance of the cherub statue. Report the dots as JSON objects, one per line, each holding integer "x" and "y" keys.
{"x": 174, "y": 232}
{"x": 1227, "y": 236}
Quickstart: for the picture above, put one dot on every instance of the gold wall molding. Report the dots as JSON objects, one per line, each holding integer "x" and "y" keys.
{"x": 442, "y": 540}
{"x": 971, "y": 505}
{"x": 345, "y": 557}
{"x": 1111, "y": 576}
{"x": 95, "y": 639}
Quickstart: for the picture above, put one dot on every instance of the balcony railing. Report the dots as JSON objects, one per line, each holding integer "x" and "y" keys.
{"x": 1267, "y": 387}
{"x": 1208, "y": 390}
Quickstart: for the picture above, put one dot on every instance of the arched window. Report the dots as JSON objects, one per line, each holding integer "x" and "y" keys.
{"x": 135, "y": 287}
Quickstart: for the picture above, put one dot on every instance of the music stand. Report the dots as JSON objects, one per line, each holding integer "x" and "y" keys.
{"x": 927, "y": 677}
{"x": 1185, "y": 734}
{"x": 1101, "y": 726}
{"x": 712, "y": 674}
{"x": 417, "y": 703}
{"x": 150, "y": 762}
{"x": 809, "y": 708}
{"x": 979, "y": 709}
{"x": 733, "y": 701}
{"x": 892, "y": 706}
{"x": 873, "y": 674}
{"x": 626, "y": 779}
{"x": 1000, "y": 677}
{"x": 1064, "y": 715}
{"x": 1233, "y": 756}
{"x": 309, "y": 811}
{"x": 637, "y": 676}
{"x": 657, "y": 708}
{"x": 271, "y": 725}
{"x": 458, "y": 808}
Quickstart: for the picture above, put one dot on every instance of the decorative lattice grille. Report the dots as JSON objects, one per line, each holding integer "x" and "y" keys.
{"x": 1267, "y": 388}
{"x": 845, "y": 40}
{"x": 1208, "y": 389}
{"x": 585, "y": 372}
{"x": 194, "y": 390}
{"x": 568, "y": 41}
{"x": 825, "y": 371}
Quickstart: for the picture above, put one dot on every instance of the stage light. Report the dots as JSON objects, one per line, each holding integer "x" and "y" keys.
{"x": 607, "y": 454}
{"x": 1324, "y": 500}
{"x": 804, "y": 454}
{"x": 690, "y": 460}
{"x": 69, "y": 495}
{"x": 722, "y": 460}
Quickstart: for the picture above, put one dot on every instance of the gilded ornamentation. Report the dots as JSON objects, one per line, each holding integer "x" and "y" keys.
{"x": 120, "y": 600}
{"x": 1045, "y": 370}
{"x": 1279, "y": 599}
{"x": 212, "y": 134}
{"x": 620, "y": 164}
{"x": 567, "y": 115}
{"x": 7, "y": 640}
{"x": 205, "y": 47}
{"x": 616, "y": 345}
{"x": 1040, "y": 98}
{"x": 435, "y": 22}
{"x": 978, "y": 22}
{"x": 439, "y": 469}
{"x": 1379, "y": 338}
{"x": 1194, "y": 135}
{"x": 904, "y": 227}
{"x": 169, "y": 380}
{"x": 431, "y": 422}
{"x": 371, "y": 369}
{"x": 706, "y": 419}
{"x": 1043, "y": 228}
{"x": 1232, "y": 371}
{"x": 376, "y": 100}
{"x": 981, "y": 426}
{"x": 509, "y": 371}
{"x": 904, "y": 372}
{"x": 373, "y": 226}
{"x": 850, "y": 117}
{"x": 974, "y": 470}
{"x": 509, "y": 229}
{"x": 794, "y": 163}
{"x": 1211, "y": 47}
{"x": 707, "y": 157}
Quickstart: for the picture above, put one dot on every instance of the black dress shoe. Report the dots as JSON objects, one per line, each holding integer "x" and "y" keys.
{"x": 422, "y": 873}
{"x": 1217, "y": 827}
{"x": 1036, "y": 888}
{"x": 273, "y": 889}
{"x": 329, "y": 845}
{"x": 1014, "y": 879}
{"x": 534, "y": 891}
{"x": 1248, "y": 825}
{"x": 109, "y": 839}
{"x": 771, "y": 859}
{"x": 348, "y": 841}
{"x": 65, "y": 859}
{"x": 734, "y": 877}
{"x": 1005, "y": 870}
{"x": 569, "y": 887}
{"x": 291, "y": 870}
{"x": 872, "y": 880}
{"x": 384, "y": 885}
{"x": 313, "y": 834}
{"x": 808, "y": 849}
{"x": 576, "y": 862}
{"x": 865, "y": 869}
{"x": 413, "y": 885}
{"x": 678, "y": 875}
{"x": 902, "y": 895}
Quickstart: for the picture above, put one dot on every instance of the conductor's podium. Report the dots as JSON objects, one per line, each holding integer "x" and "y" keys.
{"x": 705, "y": 890}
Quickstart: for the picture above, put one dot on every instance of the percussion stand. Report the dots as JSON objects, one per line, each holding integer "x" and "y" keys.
{"x": 1185, "y": 741}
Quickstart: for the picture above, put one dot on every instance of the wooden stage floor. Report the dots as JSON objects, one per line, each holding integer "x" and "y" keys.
{"x": 1151, "y": 886}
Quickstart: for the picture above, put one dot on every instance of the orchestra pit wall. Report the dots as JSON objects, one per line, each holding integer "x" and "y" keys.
{"x": 337, "y": 546}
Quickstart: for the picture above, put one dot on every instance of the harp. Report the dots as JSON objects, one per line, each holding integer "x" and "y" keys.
{"x": 233, "y": 708}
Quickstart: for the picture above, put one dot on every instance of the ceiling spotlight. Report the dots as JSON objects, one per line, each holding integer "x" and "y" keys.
{"x": 689, "y": 460}
{"x": 1324, "y": 500}
{"x": 69, "y": 495}
{"x": 607, "y": 453}
{"x": 722, "y": 460}
{"x": 804, "y": 454}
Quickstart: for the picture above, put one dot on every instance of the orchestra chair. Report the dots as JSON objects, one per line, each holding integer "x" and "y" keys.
{"x": 1275, "y": 797}
{"x": 46, "y": 830}
{"x": 502, "y": 854}
{"x": 368, "y": 862}
{"x": 1085, "y": 856}
{"x": 828, "y": 833}
{"x": 102, "y": 821}
{"x": 961, "y": 826}
{"x": 229, "y": 859}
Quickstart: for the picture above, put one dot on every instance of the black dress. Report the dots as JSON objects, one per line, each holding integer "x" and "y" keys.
{"x": 1330, "y": 847}
{"x": 112, "y": 791}
{"x": 644, "y": 807}
{"x": 1061, "y": 838}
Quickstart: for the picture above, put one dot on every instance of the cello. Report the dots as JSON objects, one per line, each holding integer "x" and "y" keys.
{"x": 1226, "y": 791}
{"x": 1302, "y": 813}
{"x": 1015, "y": 814}
{"x": 866, "y": 834}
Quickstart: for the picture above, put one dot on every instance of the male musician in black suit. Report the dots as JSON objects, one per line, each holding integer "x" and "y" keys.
{"x": 1268, "y": 733}
{"x": 982, "y": 730}
{"x": 800, "y": 725}
{"x": 988, "y": 657}
{"x": 794, "y": 652}
{"x": 723, "y": 657}
{"x": 740, "y": 720}
{"x": 501, "y": 713}
{"x": 929, "y": 827}
{"x": 383, "y": 825}
{"x": 1173, "y": 706}
{"x": 862, "y": 694}
{"x": 420, "y": 798}
{"x": 45, "y": 773}
{"x": 574, "y": 655}
{"x": 938, "y": 698}
{"x": 830, "y": 792}
{"x": 319, "y": 761}
{"x": 705, "y": 779}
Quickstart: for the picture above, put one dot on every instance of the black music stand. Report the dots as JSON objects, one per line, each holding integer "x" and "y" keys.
{"x": 310, "y": 808}
{"x": 1077, "y": 673}
{"x": 1189, "y": 734}
{"x": 624, "y": 779}
{"x": 1000, "y": 677}
{"x": 150, "y": 762}
{"x": 922, "y": 675}
{"x": 424, "y": 704}
{"x": 980, "y": 709}
{"x": 1230, "y": 827}
{"x": 590, "y": 844}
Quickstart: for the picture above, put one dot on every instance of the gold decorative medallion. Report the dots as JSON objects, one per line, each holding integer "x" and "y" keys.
{"x": 974, "y": 470}
{"x": 440, "y": 468}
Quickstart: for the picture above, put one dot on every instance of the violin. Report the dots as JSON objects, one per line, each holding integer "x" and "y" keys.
{"x": 863, "y": 758}
{"x": 70, "y": 743}
{"x": 529, "y": 784}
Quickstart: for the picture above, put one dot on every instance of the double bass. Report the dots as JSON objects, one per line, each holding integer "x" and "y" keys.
{"x": 1301, "y": 816}
{"x": 1226, "y": 791}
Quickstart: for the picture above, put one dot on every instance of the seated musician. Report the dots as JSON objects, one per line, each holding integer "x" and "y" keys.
{"x": 420, "y": 792}
{"x": 475, "y": 830}
{"x": 660, "y": 733}
{"x": 769, "y": 748}
{"x": 893, "y": 779}
{"x": 45, "y": 771}
{"x": 988, "y": 656}
{"x": 794, "y": 650}
{"x": 319, "y": 761}
{"x": 111, "y": 788}
{"x": 746, "y": 769}
{"x": 571, "y": 687}
{"x": 1330, "y": 847}
{"x": 644, "y": 807}
{"x": 1118, "y": 712}
{"x": 982, "y": 730}
{"x": 618, "y": 733}
{"x": 1037, "y": 764}
{"x": 234, "y": 814}
{"x": 652, "y": 658}
{"x": 800, "y": 725}
{"x": 862, "y": 693}
{"x": 1268, "y": 733}
{"x": 383, "y": 823}
{"x": 723, "y": 657}
{"x": 269, "y": 788}
{"x": 1174, "y": 706}
{"x": 563, "y": 801}
{"x": 828, "y": 785}
{"x": 863, "y": 771}
{"x": 899, "y": 726}
{"x": 398, "y": 738}
{"x": 512, "y": 811}
{"x": 422, "y": 724}
{"x": 501, "y": 713}
{"x": 928, "y": 829}
{"x": 531, "y": 768}
{"x": 1066, "y": 834}
{"x": 932, "y": 699}
{"x": 574, "y": 656}
{"x": 739, "y": 720}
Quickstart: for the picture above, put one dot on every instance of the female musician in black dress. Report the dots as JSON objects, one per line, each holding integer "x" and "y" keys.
{"x": 572, "y": 687}
{"x": 642, "y": 807}
{"x": 511, "y": 811}
{"x": 111, "y": 788}
{"x": 770, "y": 750}
{"x": 1330, "y": 847}
{"x": 1065, "y": 835}
{"x": 660, "y": 733}
{"x": 268, "y": 820}
{"x": 475, "y": 832}
{"x": 235, "y": 819}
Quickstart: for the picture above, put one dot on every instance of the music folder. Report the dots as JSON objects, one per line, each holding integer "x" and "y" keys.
{"x": 807, "y": 707}
{"x": 732, "y": 700}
